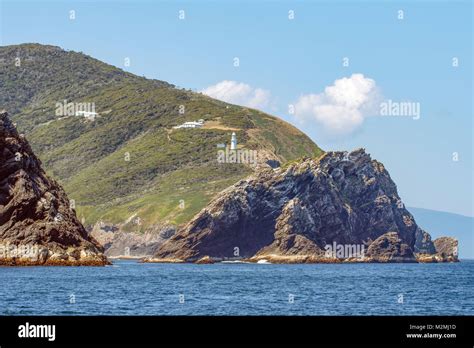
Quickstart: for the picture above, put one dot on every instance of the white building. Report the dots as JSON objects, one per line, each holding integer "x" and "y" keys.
{"x": 190, "y": 124}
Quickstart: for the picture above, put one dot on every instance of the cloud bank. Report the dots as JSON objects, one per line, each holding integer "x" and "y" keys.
{"x": 342, "y": 107}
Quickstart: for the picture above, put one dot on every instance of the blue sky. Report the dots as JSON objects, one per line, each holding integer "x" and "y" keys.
{"x": 286, "y": 62}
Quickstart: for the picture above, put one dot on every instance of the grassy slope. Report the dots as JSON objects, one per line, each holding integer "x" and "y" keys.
{"x": 137, "y": 116}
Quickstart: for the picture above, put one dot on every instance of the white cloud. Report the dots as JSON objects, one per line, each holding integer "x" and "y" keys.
{"x": 342, "y": 107}
{"x": 239, "y": 93}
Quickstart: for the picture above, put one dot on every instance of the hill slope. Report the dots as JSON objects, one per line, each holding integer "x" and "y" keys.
{"x": 128, "y": 166}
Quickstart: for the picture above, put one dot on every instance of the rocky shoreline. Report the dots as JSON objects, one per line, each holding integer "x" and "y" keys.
{"x": 444, "y": 252}
{"x": 304, "y": 259}
{"x": 342, "y": 207}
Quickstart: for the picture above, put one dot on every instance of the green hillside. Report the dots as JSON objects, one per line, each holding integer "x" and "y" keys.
{"x": 129, "y": 160}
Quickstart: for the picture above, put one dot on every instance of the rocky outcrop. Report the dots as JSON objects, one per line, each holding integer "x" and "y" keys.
{"x": 37, "y": 223}
{"x": 205, "y": 260}
{"x": 390, "y": 248}
{"x": 315, "y": 210}
{"x": 446, "y": 247}
{"x": 423, "y": 243}
{"x": 446, "y": 250}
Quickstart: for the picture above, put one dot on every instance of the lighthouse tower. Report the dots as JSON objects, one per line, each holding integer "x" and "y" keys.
{"x": 233, "y": 142}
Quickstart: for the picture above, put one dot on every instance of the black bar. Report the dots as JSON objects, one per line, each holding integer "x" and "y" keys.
{"x": 288, "y": 331}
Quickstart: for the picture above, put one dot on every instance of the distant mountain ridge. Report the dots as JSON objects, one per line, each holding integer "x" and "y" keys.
{"x": 128, "y": 169}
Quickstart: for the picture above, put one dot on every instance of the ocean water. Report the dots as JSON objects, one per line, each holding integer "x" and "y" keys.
{"x": 131, "y": 288}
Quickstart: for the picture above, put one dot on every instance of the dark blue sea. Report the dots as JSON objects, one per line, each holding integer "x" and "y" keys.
{"x": 132, "y": 288}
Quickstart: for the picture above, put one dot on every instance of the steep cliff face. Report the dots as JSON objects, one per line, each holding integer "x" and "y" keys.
{"x": 37, "y": 224}
{"x": 315, "y": 210}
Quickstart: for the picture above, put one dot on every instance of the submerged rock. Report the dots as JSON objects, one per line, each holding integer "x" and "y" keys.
{"x": 301, "y": 213}
{"x": 37, "y": 223}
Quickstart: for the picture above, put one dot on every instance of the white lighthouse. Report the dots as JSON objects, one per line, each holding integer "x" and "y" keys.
{"x": 233, "y": 142}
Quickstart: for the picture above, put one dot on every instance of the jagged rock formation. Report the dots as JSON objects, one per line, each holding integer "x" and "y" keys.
{"x": 37, "y": 224}
{"x": 297, "y": 214}
{"x": 446, "y": 249}
{"x": 389, "y": 247}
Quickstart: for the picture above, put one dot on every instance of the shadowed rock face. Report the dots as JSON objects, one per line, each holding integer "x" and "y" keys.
{"x": 294, "y": 213}
{"x": 37, "y": 224}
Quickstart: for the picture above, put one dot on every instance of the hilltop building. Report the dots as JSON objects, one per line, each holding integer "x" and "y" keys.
{"x": 191, "y": 124}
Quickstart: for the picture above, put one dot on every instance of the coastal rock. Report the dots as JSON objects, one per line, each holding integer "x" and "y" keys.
{"x": 37, "y": 223}
{"x": 390, "y": 248}
{"x": 423, "y": 243}
{"x": 298, "y": 212}
{"x": 205, "y": 260}
{"x": 446, "y": 248}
